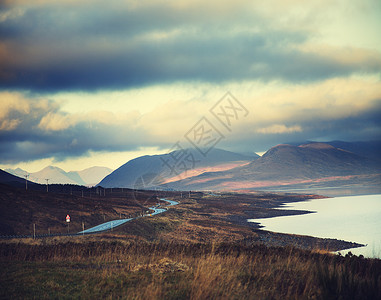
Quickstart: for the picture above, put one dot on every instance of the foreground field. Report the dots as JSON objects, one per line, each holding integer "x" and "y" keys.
{"x": 202, "y": 248}
{"x": 110, "y": 267}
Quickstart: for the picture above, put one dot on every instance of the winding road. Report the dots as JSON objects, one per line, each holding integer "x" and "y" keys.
{"x": 115, "y": 223}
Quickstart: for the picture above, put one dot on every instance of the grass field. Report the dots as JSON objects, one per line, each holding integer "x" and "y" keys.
{"x": 115, "y": 268}
{"x": 202, "y": 248}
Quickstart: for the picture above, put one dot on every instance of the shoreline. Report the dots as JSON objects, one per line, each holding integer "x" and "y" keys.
{"x": 273, "y": 238}
{"x": 350, "y": 218}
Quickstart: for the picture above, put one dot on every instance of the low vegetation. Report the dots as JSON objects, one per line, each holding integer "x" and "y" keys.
{"x": 170, "y": 255}
{"x": 112, "y": 267}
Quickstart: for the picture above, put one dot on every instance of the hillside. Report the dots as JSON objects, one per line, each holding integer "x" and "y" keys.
{"x": 289, "y": 165}
{"x": 150, "y": 171}
{"x": 369, "y": 149}
{"x": 20, "y": 209}
{"x": 13, "y": 180}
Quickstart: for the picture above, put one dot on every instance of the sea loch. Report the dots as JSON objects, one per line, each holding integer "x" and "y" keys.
{"x": 350, "y": 218}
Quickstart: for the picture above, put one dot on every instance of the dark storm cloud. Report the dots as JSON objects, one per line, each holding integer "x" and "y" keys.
{"x": 55, "y": 48}
{"x": 361, "y": 126}
{"x": 73, "y": 142}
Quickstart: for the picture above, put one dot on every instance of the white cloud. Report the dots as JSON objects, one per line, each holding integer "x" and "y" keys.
{"x": 279, "y": 129}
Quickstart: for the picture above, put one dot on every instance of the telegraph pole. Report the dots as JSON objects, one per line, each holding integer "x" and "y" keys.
{"x": 26, "y": 181}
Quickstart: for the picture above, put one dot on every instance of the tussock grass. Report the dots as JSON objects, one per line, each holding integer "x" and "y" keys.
{"x": 112, "y": 269}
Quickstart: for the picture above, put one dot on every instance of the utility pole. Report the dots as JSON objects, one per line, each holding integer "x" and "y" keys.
{"x": 26, "y": 181}
{"x": 47, "y": 184}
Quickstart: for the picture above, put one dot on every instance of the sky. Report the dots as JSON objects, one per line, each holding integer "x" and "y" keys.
{"x": 94, "y": 83}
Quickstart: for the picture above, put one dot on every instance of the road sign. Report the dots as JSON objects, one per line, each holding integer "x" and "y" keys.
{"x": 68, "y": 218}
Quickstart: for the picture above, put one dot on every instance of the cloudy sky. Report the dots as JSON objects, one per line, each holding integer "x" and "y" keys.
{"x": 86, "y": 83}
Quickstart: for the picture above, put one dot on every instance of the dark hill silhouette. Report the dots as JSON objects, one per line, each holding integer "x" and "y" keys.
{"x": 15, "y": 181}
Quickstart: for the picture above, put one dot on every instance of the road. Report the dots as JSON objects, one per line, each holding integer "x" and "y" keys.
{"x": 115, "y": 223}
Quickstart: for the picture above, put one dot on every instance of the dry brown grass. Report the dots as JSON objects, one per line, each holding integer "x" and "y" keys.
{"x": 111, "y": 269}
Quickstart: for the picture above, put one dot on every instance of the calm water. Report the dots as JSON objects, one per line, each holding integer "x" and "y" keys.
{"x": 352, "y": 218}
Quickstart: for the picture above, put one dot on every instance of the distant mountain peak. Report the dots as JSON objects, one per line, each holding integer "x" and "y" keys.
{"x": 52, "y": 168}
{"x": 55, "y": 175}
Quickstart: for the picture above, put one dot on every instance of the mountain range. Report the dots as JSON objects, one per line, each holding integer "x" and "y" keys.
{"x": 154, "y": 170}
{"x": 284, "y": 166}
{"x": 89, "y": 177}
{"x": 288, "y": 165}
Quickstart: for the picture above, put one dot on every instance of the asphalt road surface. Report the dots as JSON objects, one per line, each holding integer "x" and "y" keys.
{"x": 115, "y": 223}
